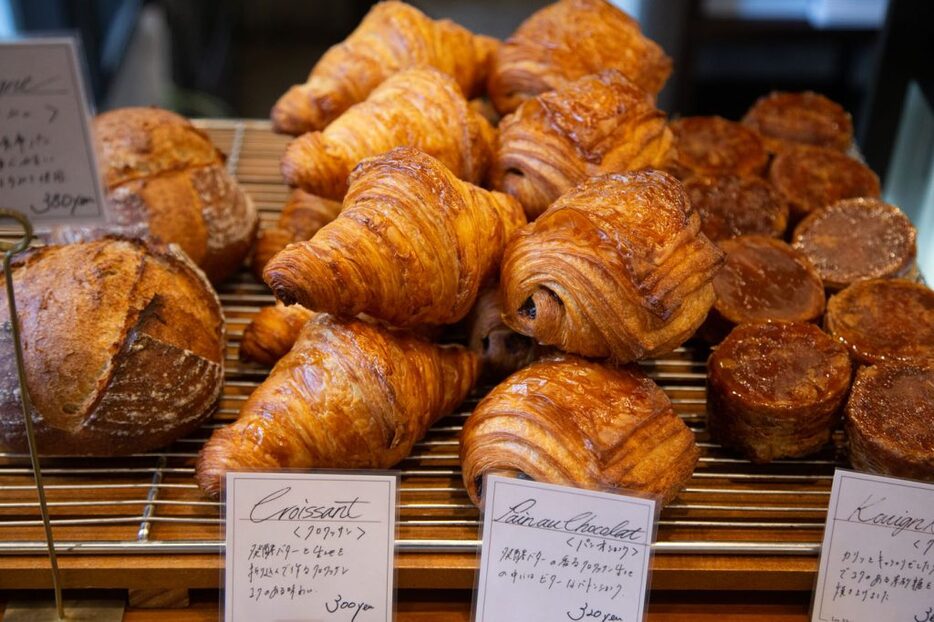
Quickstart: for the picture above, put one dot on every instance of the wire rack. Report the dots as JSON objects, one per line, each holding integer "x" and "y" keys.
{"x": 148, "y": 503}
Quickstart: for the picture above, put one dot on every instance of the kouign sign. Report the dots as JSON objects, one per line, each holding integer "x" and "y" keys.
{"x": 559, "y": 553}
{"x": 877, "y": 558}
{"x": 48, "y": 169}
{"x": 310, "y": 546}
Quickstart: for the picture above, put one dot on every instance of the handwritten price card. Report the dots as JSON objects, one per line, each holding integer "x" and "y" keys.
{"x": 47, "y": 166}
{"x": 310, "y": 546}
{"x": 877, "y": 560}
{"x": 557, "y": 553}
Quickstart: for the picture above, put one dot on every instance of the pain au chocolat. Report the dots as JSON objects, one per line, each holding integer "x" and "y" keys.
{"x": 731, "y": 206}
{"x": 566, "y": 420}
{"x": 884, "y": 320}
{"x": 568, "y": 40}
{"x": 857, "y": 239}
{"x": 617, "y": 267}
{"x": 763, "y": 279}
{"x": 811, "y": 178}
{"x": 598, "y": 124}
{"x": 800, "y": 118}
{"x": 775, "y": 390}
{"x": 715, "y": 146}
{"x": 890, "y": 420}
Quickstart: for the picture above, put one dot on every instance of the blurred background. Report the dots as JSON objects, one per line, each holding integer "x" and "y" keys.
{"x": 233, "y": 58}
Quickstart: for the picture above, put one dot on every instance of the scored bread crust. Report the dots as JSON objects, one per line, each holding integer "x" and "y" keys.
{"x": 123, "y": 343}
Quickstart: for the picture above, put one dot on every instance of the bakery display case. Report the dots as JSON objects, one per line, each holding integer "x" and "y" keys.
{"x": 559, "y": 282}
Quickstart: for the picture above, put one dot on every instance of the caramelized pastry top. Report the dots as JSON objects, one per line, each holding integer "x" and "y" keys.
{"x": 715, "y": 146}
{"x": 893, "y": 406}
{"x": 857, "y": 239}
{"x": 811, "y": 178}
{"x": 616, "y": 267}
{"x": 600, "y": 123}
{"x": 765, "y": 279}
{"x": 568, "y": 40}
{"x": 571, "y": 421}
{"x": 788, "y": 365}
{"x": 807, "y": 118}
{"x": 730, "y": 206}
{"x": 884, "y": 320}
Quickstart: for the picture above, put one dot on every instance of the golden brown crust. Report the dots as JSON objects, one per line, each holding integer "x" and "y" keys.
{"x": 811, "y": 178}
{"x": 775, "y": 390}
{"x": 393, "y": 37}
{"x": 890, "y": 420}
{"x": 575, "y": 422}
{"x": 568, "y": 40}
{"x": 301, "y": 217}
{"x": 501, "y": 350}
{"x": 348, "y": 395}
{"x": 764, "y": 279}
{"x": 412, "y": 245}
{"x": 731, "y": 206}
{"x": 615, "y": 268}
{"x": 784, "y": 119}
{"x": 857, "y": 239}
{"x": 272, "y": 332}
{"x": 715, "y": 146}
{"x": 167, "y": 182}
{"x": 598, "y": 124}
{"x": 123, "y": 344}
{"x": 883, "y": 320}
{"x": 420, "y": 108}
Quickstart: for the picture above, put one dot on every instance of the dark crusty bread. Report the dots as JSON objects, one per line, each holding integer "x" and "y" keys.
{"x": 164, "y": 178}
{"x": 123, "y": 344}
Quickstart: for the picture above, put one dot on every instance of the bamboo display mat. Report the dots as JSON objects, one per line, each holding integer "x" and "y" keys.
{"x": 140, "y": 521}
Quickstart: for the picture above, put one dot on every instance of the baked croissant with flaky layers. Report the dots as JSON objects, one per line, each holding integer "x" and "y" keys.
{"x": 349, "y": 394}
{"x": 599, "y": 124}
{"x": 272, "y": 333}
{"x": 421, "y": 108}
{"x": 412, "y": 245}
{"x": 568, "y": 40}
{"x": 301, "y": 217}
{"x": 615, "y": 268}
{"x": 566, "y": 420}
{"x": 392, "y": 37}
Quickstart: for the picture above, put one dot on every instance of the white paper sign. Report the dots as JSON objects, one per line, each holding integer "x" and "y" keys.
{"x": 877, "y": 559}
{"x": 310, "y": 546}
{"x": 47, "y": 165}
{"x": 557, "y": 553}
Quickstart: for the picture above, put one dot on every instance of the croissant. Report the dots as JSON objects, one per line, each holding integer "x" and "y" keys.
{"x": 567, "y": 420}
{"x": 392, "y": 37}
{"x": 271, "y": 334}
{"x": 616, "y": 267}
{"x": 568, "y": 40}
{"x": 501, "y": 350}
{"x": 301, "y": 218}
{"x": 349, "y": 394}
{"x": 412, "y": 246}
{"x": 420, "y": 108}
{"x": 598, "y": 124}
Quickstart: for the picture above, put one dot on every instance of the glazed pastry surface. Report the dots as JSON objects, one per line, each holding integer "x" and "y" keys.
{"x": 413, "y": 245}
{"x": 566, "y": 420}
{"x": 568, "y": 40}
{"x": 349, "y": 395}
{"x": 393, "y": 36}
{"x": 420, "y": 108}
{"x": 615, "y": 268}
{"x": 600, "y": 123}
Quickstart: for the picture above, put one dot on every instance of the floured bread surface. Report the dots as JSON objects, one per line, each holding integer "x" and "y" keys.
{"x": 123, "y": 346}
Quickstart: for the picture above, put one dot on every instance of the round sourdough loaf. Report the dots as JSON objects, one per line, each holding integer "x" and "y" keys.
{"x": 166, "y": 180}
{"x": 123, "y": 344}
